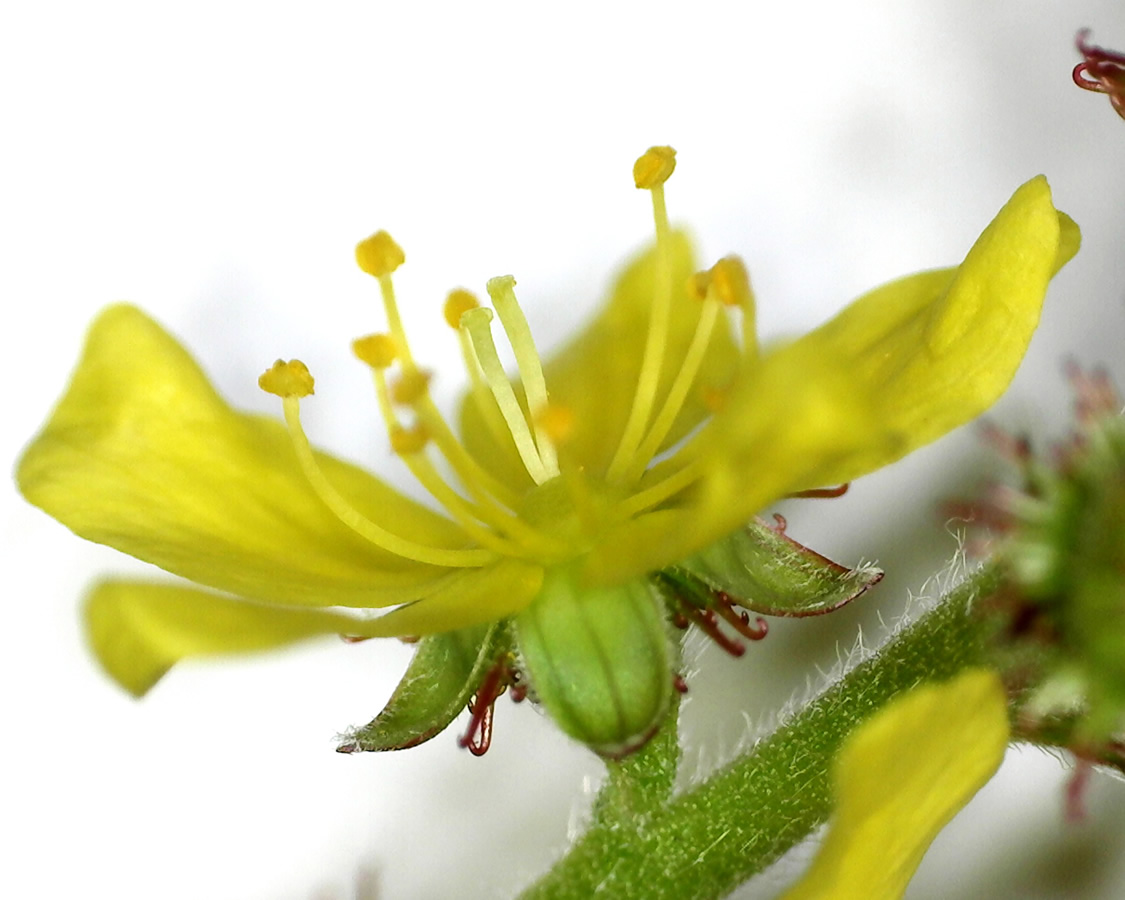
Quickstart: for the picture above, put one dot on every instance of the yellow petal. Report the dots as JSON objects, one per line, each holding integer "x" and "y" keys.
{"x": 897, "y": 369}
{"x": 142, "y": 454}
{"x": 933, "y": 351}
{"x": 899, "y": 779}
{"x": 790, "y": 416}
{"x": 139, "y": 630}
{"x": 481, "y": 595}
{"x": 595, "y": 375}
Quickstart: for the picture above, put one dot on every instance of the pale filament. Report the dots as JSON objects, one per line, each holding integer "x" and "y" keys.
{"x": 476, "y": 321}
{"x": 656, "y": 338}
{"x": 359, "y": 523}
{"x": 527, "y": 361}
{"x": 678, "y": 393}
{"x": 522, "y": 540}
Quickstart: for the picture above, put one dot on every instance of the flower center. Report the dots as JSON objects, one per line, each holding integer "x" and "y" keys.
{"x": 562, "y": 513}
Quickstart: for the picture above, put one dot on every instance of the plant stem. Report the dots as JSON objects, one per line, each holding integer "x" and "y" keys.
{"x": 729, "y": 827}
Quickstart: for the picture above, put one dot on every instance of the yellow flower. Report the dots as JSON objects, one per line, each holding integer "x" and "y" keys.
{"x": 899, "y": 779}
{"x": 657, "y": 431}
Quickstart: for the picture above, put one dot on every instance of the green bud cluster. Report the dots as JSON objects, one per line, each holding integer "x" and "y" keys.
{"x": 1062, "y": 613}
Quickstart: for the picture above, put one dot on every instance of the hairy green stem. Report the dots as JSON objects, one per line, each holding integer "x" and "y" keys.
{"x": 713, "y": 837}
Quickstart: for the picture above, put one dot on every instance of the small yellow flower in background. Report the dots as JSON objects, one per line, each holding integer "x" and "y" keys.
{"x": 899, "y": 779}
{"x": 659, "y": 430}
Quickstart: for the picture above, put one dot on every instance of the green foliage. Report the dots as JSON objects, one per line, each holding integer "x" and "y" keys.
{"x": 709, "y": 839}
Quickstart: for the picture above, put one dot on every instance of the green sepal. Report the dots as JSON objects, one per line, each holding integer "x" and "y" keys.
{"x": 598, "y": 659}
{"x": 445, "y": 672}
{"x": 764, "y": 570}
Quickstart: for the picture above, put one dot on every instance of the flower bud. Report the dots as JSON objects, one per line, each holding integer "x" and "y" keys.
{"x": 598, "y": 659}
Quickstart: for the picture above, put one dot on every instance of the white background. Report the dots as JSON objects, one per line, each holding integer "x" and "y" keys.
{"x": 216, "y": 162}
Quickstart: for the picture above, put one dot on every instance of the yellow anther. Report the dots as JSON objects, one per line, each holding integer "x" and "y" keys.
{"x": 405, "y": 441}
{"x": 411, "y": 387}
{"x": 287, "y": 379}
{"x": 459, "y": 302}
{"x": 654, "y": 167}
{"x": 730, "y": 282}
{"x": 713, "y": 398}
{"x": 379, "y": 255}
{"x": 377, "y": 350}
{"x": 556, "y": 422}
{"x": 698, "y": 285}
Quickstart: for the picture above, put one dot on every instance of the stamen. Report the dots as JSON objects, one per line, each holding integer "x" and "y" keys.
{"x": 377, "y": 350}
{"x": 476, "y": 321}
{"x": 654, "y": 167}
{"x": 661, "y": 490}
{"x": 522, "y": 539}
{"x": 292, "y": 381}
{"x": 556, "y": 421}
{"x": 713, "y": 398}
{"x": 459, "y": 302}
{"x": 482, "y": 396}
{"x": 410, "y": 387}
{"x": 698, "y": 284}
{"x": 379, "y": 256}
{"x": 467, "y": 468}
{"x": 724, "y": 284}
{"x": 731, "y": 283}
{"x": 650, "y": 172}
{"x": 408, "y": 441}
{"x": 678, "y": 393}
{"x": 515, "y": 537}
{"x": 287, "y": 379}
{"x": 410, "y": 444}
{"x": 503, "y": 296}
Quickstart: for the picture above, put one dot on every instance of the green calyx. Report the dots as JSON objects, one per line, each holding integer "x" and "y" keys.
{"x": 446, "y": 671}
{"x": 601, "y": 660}
{"x": 764, "y": 570}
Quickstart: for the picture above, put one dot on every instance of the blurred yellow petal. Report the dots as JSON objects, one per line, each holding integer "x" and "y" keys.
{"x": 899, "y": 779}
{"x": 798, "y": 413}
{"x": 139, "y": 630}
{"x": 142, "y": 454}
{"x": 897, "y": 369}
{"x": 595, "y": 375}
{"x": 482, "y": 595}
{"x": 933, "y": 351}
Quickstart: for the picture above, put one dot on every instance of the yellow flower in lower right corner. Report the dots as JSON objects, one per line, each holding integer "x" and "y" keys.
{"x": 900, "y": 778}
